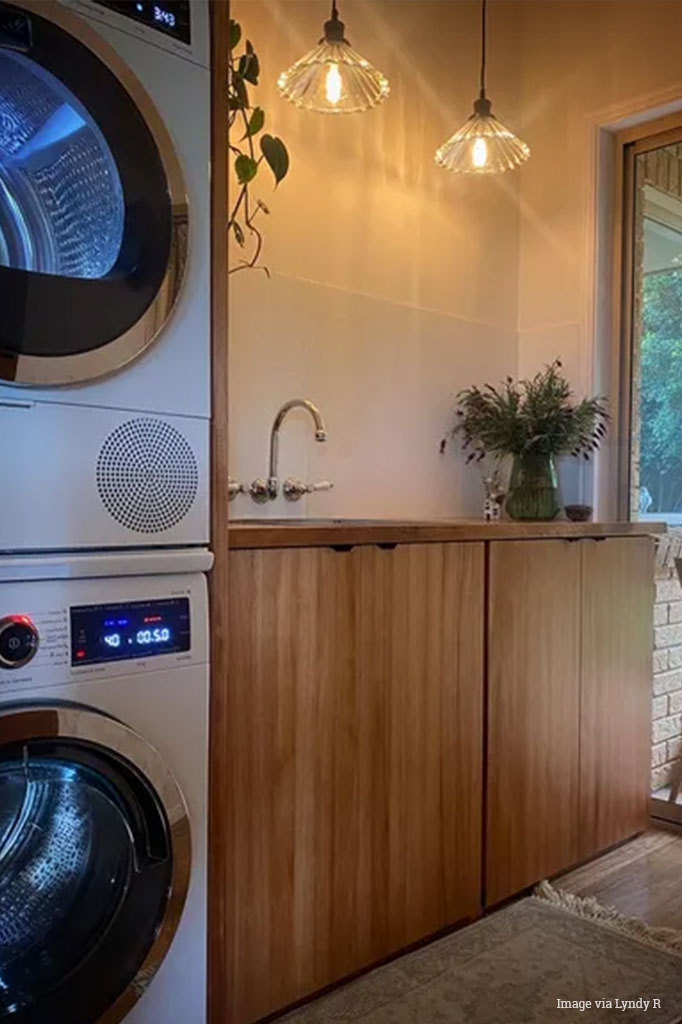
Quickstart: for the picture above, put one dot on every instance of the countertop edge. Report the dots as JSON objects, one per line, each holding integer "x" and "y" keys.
{"x": 279, "y": 535}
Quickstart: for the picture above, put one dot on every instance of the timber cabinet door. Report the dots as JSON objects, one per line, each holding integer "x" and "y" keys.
{"x": 534, "y": 606}
{"x": 355, "y": 747}
{"x": 616, "y": 671}
{"x": 420, "y": 670}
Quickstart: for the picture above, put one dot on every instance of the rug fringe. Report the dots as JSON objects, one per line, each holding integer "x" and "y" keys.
{"x": 591, "y": 909}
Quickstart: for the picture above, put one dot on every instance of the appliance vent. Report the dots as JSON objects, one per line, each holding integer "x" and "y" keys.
{"x": 147, "y": 475}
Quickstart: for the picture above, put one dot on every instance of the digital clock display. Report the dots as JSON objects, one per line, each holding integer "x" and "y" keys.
{"x": 169, "y": 16}
{"x": 133, "y": 629}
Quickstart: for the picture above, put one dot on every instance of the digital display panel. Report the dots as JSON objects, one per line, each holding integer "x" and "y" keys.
{"x": 171, "y": 17}
{"x": 131, "y": 629}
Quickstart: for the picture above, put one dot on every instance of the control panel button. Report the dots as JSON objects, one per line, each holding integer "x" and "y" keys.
{"x": 18, "y": 641}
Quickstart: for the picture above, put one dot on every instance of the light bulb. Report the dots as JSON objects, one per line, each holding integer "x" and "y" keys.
{"x": 479, "y": 153}
{"x": 333, "y": 78}
{"x": 333, "y": 84}
{"x": 483, "y": 145}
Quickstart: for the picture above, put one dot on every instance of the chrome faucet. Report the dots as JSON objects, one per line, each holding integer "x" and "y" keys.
{"x": 267, "y": 490}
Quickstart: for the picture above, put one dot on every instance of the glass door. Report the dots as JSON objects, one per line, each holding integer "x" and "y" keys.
{"x": 94, "y": 865}
{"x": 93, "y": 216}
{"x": 653, "y": 356}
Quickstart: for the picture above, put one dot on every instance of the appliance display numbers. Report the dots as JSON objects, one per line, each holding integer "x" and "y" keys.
{"x": 165, "y": 16}
{"x": 169, "y": 16}
{"x": 134, "y": 629}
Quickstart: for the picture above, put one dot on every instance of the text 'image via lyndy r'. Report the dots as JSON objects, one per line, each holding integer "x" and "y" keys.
{"x": 624, "y": 1005}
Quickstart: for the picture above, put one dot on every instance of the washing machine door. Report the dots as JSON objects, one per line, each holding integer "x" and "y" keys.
{"x": 94, "y": 864}
{"x": 93, "y": 213}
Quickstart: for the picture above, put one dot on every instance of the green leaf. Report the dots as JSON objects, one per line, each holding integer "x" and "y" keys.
{"x": 275, "y": 152}
{"x": 249, "y": 46}
{"x": 235, "y": 33}
{"x": 249, "y": 67}
{"x": 245, "y": 169}
{"x": 238, "y": 233}
{"x": 256, "y": 122}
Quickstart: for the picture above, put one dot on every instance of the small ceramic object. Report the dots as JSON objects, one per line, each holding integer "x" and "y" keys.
{"x": 494, "y": 497}
{"x": 579, "y": 513}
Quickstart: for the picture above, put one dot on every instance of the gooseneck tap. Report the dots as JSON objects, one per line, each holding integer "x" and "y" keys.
{"x": 267, "y": 490}
{"x": 320, "y": 435}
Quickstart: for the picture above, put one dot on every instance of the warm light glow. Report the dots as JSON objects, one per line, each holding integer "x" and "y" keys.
{"x": 483, "y": 145}
{"x": 333, "y": 84}
{"x": 479, "y": 153}
{"x": 333, "y": 79}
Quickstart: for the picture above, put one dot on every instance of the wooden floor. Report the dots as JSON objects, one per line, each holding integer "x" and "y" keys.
{"x": 641, "y": 879}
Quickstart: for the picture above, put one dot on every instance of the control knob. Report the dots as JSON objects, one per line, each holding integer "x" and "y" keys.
{"x": 18, "y": 641}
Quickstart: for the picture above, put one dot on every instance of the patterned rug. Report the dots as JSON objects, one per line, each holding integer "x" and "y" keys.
{"x": 514, "y": 967}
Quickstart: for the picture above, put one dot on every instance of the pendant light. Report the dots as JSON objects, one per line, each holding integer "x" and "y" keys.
{"x": 483, "y": 145}
{"x": 333, "y": 78}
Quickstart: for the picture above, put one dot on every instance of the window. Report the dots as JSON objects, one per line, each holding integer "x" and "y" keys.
{"x": 653, "y": 326}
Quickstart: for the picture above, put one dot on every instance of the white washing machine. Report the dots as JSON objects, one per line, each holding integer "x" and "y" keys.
{"x": 104, "y": 273}
{"x": 103, "y": 783}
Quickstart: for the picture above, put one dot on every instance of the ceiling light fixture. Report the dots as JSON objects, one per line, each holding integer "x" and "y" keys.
{"x": 483, "y": 145}
{"x": 333, "y": 78}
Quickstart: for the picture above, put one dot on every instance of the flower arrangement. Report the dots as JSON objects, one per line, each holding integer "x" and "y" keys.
{"x": 534, "y": 421}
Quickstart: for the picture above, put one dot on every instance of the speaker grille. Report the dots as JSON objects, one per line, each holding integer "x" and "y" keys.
{"x": 147, "y": 475}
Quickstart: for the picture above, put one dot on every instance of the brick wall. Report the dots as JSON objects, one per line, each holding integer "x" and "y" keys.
{"x": 667, "y": 690}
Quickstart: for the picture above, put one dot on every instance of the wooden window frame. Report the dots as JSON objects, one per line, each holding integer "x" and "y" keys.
{"x": 629, "y": 143}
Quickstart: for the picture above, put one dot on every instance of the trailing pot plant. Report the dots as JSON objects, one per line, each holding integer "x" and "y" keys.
{"x": 534, "y": 421}
{"x": 249, "y": 149}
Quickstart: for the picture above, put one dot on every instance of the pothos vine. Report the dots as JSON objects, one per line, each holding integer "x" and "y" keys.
{"x": 249, "y": 151}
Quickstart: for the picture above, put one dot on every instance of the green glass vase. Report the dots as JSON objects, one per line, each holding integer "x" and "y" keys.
{"x": 533, "y": 490}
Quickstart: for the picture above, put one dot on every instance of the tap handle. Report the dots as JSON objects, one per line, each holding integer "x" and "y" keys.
{"x": 294, "y": 490}
{"x": 234, "y": 488}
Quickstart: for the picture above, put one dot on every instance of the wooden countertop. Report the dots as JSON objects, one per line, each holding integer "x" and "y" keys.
{"x": 297, "y": 533}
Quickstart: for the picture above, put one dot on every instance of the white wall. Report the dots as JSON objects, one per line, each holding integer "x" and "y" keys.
{"x": 393, "y": 283}
{"x": 586, "y": 66}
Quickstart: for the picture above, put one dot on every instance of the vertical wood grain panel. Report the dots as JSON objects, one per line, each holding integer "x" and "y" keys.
{"x": 617, "y": 654}
{"x": 219, "y": 859}
{"x": 420, "y": 637}
{"x": 533, "y": 713}
{"x": 355, "y": 741}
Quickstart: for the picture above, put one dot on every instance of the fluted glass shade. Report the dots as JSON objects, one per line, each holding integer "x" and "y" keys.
{"x": 333, "y": 78}
{"x": 483, "y": 145}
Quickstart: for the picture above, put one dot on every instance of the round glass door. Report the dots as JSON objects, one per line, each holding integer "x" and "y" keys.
{"x": 93, "y": 215}
{"x": 94, "y": 865}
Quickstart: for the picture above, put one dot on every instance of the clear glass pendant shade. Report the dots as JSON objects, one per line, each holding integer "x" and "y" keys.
{"x": 333, "y": 78}
{"x": 483, "y": 145}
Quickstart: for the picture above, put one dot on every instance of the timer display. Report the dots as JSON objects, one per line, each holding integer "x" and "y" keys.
{"x": 134, "y": 629}
{"x": 169, "y": 16}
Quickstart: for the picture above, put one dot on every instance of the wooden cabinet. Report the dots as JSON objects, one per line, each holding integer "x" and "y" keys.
{"x": 533, "y": 713}
{"x": 569, "y": 655}
{"x": 354, "y": 747}
{"x": 616, "y": 674}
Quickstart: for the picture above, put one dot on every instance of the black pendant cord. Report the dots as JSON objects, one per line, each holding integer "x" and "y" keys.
{"x": 334, "y": 28}
{"x": 484, "y": 43}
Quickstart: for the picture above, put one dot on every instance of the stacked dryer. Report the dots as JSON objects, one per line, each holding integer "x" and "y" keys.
{"x": 104, "y": 499}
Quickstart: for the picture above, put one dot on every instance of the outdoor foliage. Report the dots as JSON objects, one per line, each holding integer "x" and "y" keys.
{"x": 249, "y": 150}
{"x": 529, "y": 417}
{"x": 661, "y": 391}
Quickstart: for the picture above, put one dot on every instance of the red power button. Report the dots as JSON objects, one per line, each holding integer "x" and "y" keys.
{"x": 18, "y": 641}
